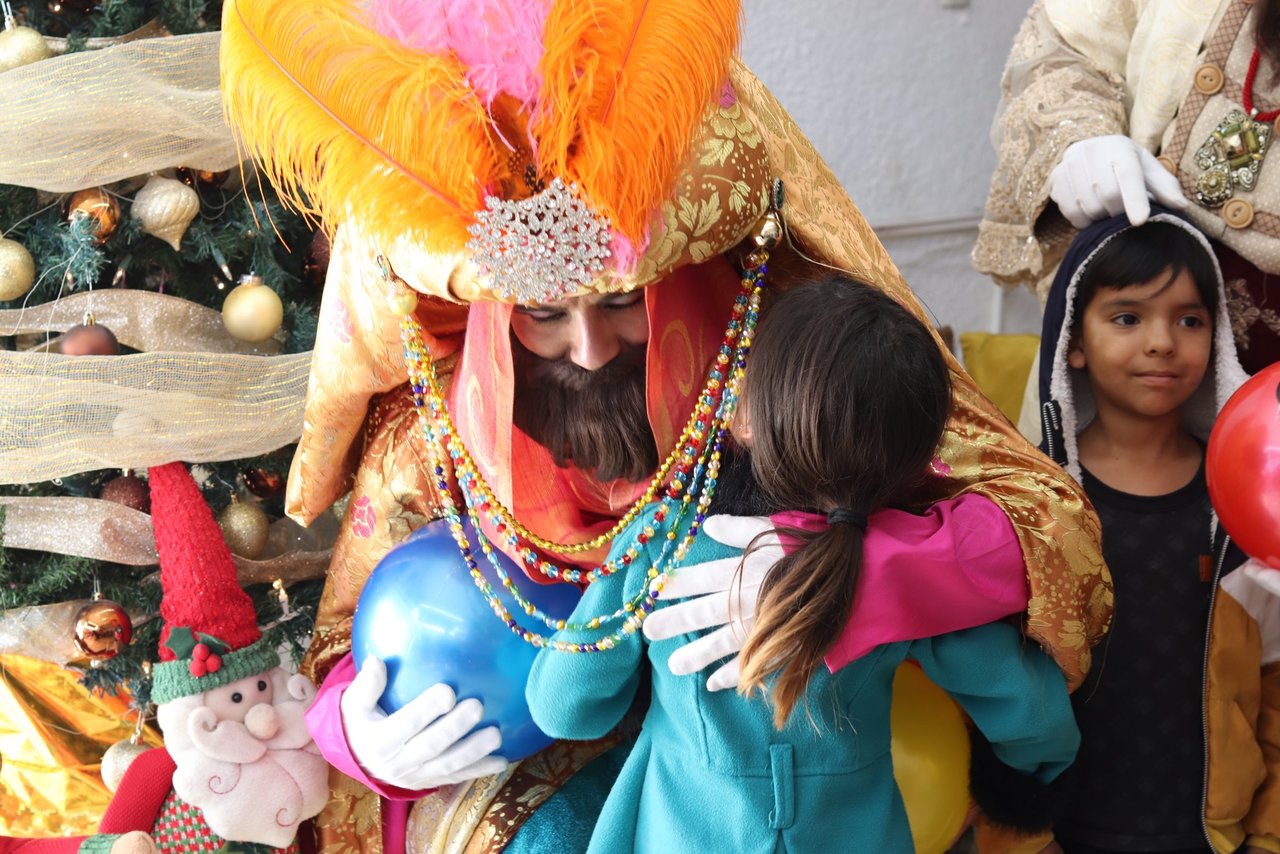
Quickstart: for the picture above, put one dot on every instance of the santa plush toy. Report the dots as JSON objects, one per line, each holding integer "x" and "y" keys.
{"x": 238, "y": 768}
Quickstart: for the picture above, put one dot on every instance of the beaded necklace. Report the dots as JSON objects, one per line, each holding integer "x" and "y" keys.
{"x": 690, "y": 472}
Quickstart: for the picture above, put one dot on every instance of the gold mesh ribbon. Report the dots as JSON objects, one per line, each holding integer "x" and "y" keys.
{"x": 86, "y": 119}
{"x": 106, "y": 531}
{"x": 141, "y": 320}
{"x": 151, "y": 29}
{"x": 65, "y": 414}
{"x": 41, "y": 631}
{"x": 85, "y": 527}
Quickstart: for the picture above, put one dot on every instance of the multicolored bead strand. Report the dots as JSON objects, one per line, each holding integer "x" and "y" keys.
{"x": 689, "y": 473}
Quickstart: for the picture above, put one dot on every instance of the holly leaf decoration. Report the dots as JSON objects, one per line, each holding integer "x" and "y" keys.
{"x": 182, "y": 641}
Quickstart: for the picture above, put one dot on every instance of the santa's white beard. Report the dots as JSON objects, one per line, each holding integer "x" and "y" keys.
{"x": 250, "y": 789}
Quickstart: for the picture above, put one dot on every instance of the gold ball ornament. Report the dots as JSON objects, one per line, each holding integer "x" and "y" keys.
{"x": 165, "y": 208}
{"x": 245, "y": 528}
{"x": 98, "y": 206}
{"x": 252, "y": 311}
{"x": 117, "y": 760}
{"x": 21, "y": 46}
{"x": 102, "y": 630}
{"x": 17, "y": 270}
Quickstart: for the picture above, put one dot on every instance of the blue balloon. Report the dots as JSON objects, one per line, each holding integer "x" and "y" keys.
{"x": 421, "y": 613}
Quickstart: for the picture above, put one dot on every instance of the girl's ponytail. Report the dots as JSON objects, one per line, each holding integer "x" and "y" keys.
{"x": 802, "y": 609}
{"x": 845, "y": 400}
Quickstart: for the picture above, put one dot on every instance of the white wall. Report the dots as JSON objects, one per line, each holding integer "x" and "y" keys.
{"x": 898, "y": 97}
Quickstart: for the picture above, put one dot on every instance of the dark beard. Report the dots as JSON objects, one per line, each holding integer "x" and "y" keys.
{"x": 595, "y": 420}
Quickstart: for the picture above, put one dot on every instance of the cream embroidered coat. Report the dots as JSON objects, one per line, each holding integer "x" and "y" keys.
{"x": 1085, "y": 68}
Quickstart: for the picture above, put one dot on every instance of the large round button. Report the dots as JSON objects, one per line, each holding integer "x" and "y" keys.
{"x": 1237, "y": 213}
{"x": 1208, "y": 79}
{"x": 1167, "y": 162}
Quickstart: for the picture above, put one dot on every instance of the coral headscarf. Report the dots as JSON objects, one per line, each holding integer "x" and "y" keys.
{"x": 687, "y": 314}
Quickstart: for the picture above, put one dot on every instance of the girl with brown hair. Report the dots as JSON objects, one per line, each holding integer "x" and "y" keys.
{"x": 843, "y": 406}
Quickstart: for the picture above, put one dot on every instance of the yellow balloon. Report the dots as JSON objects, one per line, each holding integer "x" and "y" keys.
{"x": 930, "y": 746}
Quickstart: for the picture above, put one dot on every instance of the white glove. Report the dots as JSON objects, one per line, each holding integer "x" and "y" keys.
{"x": 721, "y": 603}
{"x": 425, "y": 744}
{"x": 1108, "y": 175}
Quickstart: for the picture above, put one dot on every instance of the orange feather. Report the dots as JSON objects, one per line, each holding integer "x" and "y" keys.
{"x": 350, "y": 125}
{"x": 625, "y": 85}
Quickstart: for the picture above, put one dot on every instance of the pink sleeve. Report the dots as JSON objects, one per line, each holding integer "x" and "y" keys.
{"x": 957, "y": 566}
{"x": 324, "y": 720}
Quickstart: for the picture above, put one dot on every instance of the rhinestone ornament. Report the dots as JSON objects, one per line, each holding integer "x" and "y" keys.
{"x": 540, "y": 248}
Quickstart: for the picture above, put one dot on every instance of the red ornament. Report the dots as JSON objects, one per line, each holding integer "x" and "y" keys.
{"x": 315, "y": 264}
{"x": 199, "y": 179}
{"x": 264, "y": 484}
{"x": 1243, "y": 466}
{"x": 129, "y": 491}
{"x": 89, "y": 339}
{"x": 103, "y": 629}
{"x": 97, "y": 206}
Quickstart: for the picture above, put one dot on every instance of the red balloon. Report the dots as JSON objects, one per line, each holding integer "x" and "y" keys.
{"x": 1243, "y": 466}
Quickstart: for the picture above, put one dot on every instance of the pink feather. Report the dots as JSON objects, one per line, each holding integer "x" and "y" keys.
{"x": 498, "y": 41}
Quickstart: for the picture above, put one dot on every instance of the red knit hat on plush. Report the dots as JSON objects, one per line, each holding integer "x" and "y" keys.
{"x": 210, "y": 636}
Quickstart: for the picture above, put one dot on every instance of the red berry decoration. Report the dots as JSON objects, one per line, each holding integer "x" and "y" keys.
{"x": 197, "y": 668}
{"x": 200, "y": 652}
{"x": 213, "y": 663}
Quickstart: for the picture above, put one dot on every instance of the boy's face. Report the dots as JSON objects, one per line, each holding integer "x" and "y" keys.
{"x": 1145, "y": 347}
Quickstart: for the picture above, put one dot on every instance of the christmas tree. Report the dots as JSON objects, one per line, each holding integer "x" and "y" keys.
{"x": 163, "y": 313}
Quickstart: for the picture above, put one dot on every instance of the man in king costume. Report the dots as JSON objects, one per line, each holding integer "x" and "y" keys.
{"x": 548, "y": 193}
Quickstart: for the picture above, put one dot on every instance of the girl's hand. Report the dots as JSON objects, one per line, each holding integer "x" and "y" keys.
{"x": 720, "y": 602}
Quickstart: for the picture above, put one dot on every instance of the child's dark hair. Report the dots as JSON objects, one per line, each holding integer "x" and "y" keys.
{"x": 1138, "y": 255}
{"x": 847, "y": 395}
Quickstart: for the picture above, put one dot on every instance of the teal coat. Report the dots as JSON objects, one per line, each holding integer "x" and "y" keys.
{"x": 709, "y": 773}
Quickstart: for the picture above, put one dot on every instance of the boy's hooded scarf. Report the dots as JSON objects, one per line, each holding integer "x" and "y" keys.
{"x": 1067, "y": 402}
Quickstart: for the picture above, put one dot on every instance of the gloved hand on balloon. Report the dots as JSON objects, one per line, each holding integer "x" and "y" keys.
{"x": 1109, "y": 175}
{"x": 423, "y": 745}
{"x": 721, "y": 600}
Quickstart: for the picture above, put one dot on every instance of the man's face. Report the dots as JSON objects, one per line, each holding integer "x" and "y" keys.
{"x": 580, "y": 383}
{"x": 589, "y": 331}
